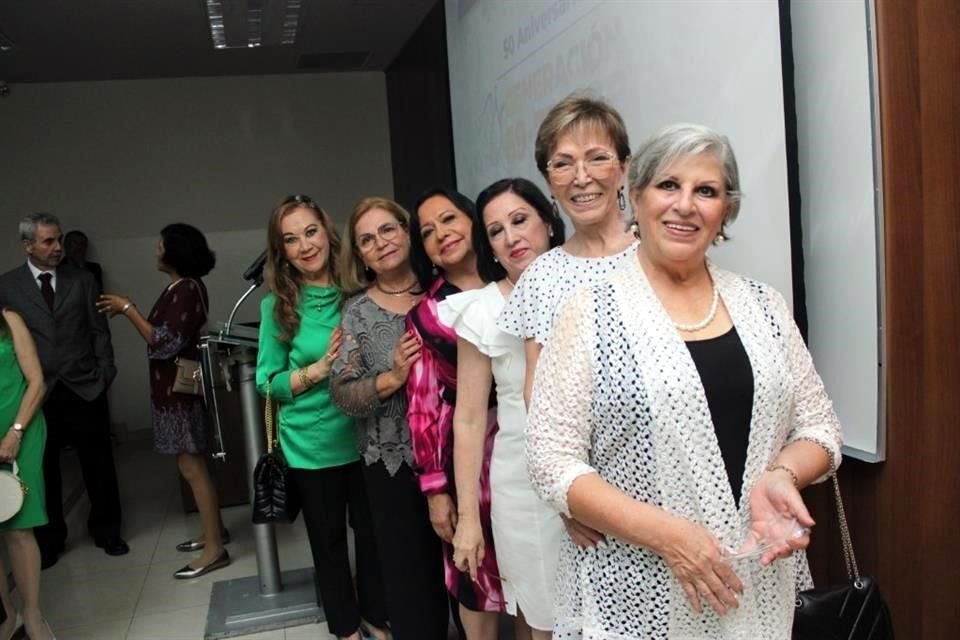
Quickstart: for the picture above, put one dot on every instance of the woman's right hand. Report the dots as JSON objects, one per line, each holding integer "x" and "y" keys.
{"x": 443, "y": 515}
{"x": 468, "y": 549}
{"x": 10, "y": 446}
{"x": 405, "y": 353}
{"x": 581, "y": 534}
{"x": 322, "y": 367}
{"x": 695, "y": 557}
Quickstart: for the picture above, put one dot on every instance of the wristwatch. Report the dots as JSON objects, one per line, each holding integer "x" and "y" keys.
{"x": 18, "y": 428}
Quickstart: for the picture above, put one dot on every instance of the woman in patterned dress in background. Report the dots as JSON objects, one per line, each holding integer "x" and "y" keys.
{"x": 440, "y": 231}
{"x": 180, "y": 428}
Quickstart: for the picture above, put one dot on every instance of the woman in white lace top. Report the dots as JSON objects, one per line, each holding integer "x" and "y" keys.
{"x": 677, "y": 410}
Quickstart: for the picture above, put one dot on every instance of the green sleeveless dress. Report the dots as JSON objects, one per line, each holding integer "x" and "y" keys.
{"x": 30, "y": 459}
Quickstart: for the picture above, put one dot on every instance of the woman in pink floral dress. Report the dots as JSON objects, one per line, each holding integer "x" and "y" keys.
{"x": 440, "y": 231}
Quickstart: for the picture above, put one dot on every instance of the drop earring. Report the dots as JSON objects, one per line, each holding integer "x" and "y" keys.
{"x": 621, "y": 199}
{"x": 556, "y": 209}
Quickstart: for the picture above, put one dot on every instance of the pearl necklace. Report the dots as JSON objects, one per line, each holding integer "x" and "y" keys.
{"x": 690, "y": 328}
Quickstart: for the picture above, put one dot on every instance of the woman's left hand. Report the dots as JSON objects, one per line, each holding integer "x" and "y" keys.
{"x": 112, "y": 304}
{"x": 774, "y": 504}
{"x": 9, "y": 447}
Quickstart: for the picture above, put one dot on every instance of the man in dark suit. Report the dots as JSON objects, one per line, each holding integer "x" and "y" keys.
{"x": 73, "y": 343}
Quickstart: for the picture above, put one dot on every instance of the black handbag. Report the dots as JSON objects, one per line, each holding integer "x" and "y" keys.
{"x": 274, "y": 498}
{"x": 853, "y": 610}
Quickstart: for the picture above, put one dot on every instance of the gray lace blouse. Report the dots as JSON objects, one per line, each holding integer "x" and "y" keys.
{"x": 370, "y": 333}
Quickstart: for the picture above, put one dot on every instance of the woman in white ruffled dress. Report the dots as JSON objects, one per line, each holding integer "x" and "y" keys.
{"x": 515, "y": 225}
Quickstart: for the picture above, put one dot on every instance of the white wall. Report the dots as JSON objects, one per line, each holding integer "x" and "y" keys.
{"x": 119, "y": 160}
{"x": 838, "y": 189}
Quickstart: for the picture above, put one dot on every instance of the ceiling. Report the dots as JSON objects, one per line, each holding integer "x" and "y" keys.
{"x": 63, "y": 40}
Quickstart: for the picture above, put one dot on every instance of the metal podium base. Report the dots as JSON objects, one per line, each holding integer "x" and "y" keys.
{"x": 238, "y": 608}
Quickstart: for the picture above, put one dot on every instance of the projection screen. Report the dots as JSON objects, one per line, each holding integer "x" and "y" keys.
{"x": 714, "y": 63}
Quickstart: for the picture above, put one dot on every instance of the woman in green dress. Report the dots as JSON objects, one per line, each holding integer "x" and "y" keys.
{"x": 21, "y": 393}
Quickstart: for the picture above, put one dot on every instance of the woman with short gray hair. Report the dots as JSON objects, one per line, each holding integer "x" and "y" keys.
{"x": 692, "y": 467}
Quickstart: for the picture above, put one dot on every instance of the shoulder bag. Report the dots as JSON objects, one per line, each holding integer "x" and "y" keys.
{"x": 852, "y": 610}
{"x": 274, "y": 499}
{"x": 188, "y": 379}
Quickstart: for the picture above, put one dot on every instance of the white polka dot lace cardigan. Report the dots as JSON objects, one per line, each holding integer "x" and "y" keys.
{"x": 617, "y": 393}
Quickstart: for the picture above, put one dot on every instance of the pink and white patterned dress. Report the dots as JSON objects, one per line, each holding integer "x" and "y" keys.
{"x": 432, "y": 393}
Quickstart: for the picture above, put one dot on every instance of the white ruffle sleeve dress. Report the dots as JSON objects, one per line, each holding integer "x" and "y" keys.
{"x": 527, "y": 532}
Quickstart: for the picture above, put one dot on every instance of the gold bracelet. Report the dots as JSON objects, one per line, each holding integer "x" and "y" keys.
{"x": 782, "y": 467}
{"x": 305, "y": 380}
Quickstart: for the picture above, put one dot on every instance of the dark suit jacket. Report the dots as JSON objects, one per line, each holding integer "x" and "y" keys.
{"x": 73, "y": 342}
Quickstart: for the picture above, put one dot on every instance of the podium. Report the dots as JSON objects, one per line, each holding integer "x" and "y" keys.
{"x": 271, "y": 599}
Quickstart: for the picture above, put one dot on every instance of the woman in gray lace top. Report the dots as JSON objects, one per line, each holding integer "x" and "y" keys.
{"x": 367, "y": 382}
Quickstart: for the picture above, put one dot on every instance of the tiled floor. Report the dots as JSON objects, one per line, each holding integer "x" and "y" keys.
{"x": 89, "y": 595}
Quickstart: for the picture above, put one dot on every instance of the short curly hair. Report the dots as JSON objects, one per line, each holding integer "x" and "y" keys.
{"x": 185, "y": 250}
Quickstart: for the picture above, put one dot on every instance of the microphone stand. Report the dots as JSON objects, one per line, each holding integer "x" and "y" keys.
{"x": 246, "y": 294}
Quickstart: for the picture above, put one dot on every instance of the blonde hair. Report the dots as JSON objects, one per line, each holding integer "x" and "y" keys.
{"x": 284, "y": 280}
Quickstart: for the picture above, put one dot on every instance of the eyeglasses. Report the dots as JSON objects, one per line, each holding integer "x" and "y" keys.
{"x": 388, "y": 232}
{"x": 598, "y": 165}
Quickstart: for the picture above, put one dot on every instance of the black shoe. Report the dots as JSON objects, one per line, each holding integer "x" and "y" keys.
{"x": 189, "y": 572}
{"x": 198, "y": 545}
{"x": 114, "y": 546}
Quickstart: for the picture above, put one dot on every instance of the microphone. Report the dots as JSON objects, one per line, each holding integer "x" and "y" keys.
{"x": 254, "y": 274}
{"x": 255, "y": 271}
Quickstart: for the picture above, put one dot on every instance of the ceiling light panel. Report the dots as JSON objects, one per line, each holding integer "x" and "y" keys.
{"x": 244, "y": 24}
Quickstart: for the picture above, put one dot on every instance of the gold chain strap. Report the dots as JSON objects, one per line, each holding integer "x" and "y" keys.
{"x": 853, "y": 571}
{"x": 268, "y": 421}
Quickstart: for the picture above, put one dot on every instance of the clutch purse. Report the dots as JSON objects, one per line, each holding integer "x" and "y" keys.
{"x": 12, "y": 492}
{"x": 852, "y": 610}
{"x": 274, "y": 499}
